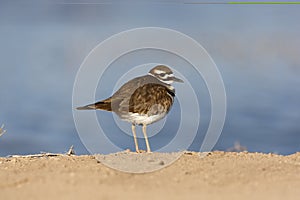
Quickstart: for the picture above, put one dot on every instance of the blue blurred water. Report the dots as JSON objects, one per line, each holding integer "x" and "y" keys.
{"x": 256, "y": 48}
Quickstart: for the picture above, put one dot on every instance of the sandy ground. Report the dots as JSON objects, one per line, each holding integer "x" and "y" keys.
{"x": 218, "y": 175}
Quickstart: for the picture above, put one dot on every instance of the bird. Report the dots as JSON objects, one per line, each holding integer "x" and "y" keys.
{"x": 142, "y": 100}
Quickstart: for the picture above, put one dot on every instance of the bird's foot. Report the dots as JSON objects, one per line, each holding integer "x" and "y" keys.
{"x": 140, "y": 151}
{"x": 143, "y": 151}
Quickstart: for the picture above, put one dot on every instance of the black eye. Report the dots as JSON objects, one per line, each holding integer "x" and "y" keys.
{"x": 162, "y": 74}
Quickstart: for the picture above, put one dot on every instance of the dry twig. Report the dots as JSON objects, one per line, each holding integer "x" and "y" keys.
{"x": 2, "y": 131}
{"x": 45, "y": 154}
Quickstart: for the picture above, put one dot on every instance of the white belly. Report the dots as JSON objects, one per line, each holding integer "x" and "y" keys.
{"x": 136, "y": 118}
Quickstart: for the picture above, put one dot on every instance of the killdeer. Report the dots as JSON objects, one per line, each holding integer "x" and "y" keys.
{"x": 142, "y": 100}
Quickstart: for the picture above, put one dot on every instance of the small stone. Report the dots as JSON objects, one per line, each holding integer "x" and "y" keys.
{"x": 127, "y": 151}
{"x": 161, "y": 162}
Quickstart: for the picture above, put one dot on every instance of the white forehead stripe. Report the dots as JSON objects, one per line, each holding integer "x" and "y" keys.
{"x": 157, "y": 71}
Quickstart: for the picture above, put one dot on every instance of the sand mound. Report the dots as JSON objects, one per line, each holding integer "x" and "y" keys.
{"x": 218, "y": 175}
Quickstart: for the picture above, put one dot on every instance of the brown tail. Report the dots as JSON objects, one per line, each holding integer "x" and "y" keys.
{"x": 101, "y": 105}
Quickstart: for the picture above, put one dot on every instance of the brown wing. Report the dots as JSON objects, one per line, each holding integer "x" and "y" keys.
{"x": 137, "y": 95}
{"x": 151, "y": 99}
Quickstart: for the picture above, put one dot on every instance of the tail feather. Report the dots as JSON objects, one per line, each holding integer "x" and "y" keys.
{"x": 87, "y": 107}
{"x": 97, "y": 106}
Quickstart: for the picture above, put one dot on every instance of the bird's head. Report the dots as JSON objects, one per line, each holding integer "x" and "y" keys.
{"x": 164, "y": 74}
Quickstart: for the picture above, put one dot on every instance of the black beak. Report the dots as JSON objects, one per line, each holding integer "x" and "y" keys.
{"x": 175, "y": 79}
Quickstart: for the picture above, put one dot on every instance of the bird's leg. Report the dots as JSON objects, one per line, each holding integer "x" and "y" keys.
{"x": 135, "y": 139}
{"x": 146, "y": 138}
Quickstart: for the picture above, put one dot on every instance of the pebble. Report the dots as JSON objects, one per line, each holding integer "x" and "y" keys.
{"x": 161, "y": 162}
